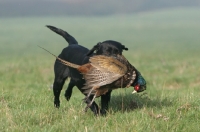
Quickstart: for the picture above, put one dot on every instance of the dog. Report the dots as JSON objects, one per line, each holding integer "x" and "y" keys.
{"x": 78, "y": 54}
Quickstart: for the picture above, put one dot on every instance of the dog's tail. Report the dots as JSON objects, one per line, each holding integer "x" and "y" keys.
{"x": 64, "y": 34}
{"x": 63, "y": 61}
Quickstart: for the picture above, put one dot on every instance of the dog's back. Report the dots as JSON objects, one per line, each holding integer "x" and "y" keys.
{"x": 75, "y": 54}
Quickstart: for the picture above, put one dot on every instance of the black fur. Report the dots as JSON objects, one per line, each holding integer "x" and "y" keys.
{"x": 78, "y": 54}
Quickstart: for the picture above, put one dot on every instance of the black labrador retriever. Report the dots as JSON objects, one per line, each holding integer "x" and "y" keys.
{"x": 78, "y": 54}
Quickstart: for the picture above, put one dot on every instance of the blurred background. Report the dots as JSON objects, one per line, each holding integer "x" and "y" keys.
{"x": 11, "y": 8}
{"x": 132, "y": 22}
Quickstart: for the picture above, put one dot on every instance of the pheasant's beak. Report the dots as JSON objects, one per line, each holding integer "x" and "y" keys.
{"x": 134, "y": 91}
{"x": 136, "y": 88}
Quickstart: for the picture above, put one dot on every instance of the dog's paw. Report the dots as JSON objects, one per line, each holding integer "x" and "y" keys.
{"x": 103, "y": 112}
{"x": 57, "y": 103}
{"x": 68, "y": 96}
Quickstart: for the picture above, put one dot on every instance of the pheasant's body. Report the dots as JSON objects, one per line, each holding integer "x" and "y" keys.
{"x": 108, "y": 73}
{"x": 105, "y": 73}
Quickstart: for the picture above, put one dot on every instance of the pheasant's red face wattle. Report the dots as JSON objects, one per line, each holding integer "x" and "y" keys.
{"x": 136, "y": 87}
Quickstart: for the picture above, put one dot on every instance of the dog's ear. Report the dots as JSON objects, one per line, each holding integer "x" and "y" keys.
{"x": 124, "y": 48}
{"x": 96, "y": 47}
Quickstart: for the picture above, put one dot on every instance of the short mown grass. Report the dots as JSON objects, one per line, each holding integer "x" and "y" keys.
{"x": 163, "y": 46}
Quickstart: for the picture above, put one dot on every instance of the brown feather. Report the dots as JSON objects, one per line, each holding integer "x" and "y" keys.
{"x": 85, "y": 68}
{"x": 110, "y": 64}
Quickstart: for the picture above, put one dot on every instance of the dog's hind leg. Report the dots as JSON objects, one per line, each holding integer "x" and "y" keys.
{"x": 68, "y": 91}
{"x": 60, "y": 76}
{"x": 57, "y": 87}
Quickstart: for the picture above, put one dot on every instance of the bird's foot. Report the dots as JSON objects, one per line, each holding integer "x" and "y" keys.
{"x": 85, "y": 99}
{"x": 88, "y": 106}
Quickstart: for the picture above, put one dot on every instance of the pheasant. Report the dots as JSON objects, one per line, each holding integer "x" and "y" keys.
{"x": 105, "y": 73}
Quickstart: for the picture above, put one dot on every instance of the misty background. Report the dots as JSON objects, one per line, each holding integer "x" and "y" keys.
{"x": 15, "y": 8}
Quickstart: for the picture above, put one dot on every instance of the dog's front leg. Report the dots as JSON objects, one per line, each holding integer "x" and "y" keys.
{"x": 68, "y": 91}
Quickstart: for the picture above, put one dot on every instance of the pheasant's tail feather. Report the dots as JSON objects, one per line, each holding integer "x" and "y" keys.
{"x": 63, "y": 61}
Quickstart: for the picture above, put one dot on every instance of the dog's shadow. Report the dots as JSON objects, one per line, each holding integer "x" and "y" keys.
{"x": 131, "y": 102}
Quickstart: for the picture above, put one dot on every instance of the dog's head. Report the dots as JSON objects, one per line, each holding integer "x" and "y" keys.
{"x": 108, "y": 48}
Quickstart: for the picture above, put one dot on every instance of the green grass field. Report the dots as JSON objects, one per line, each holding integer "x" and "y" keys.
{"x": 164, "y": 46}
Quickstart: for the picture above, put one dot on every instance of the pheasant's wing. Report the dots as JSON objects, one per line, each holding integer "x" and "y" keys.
{"x": 105, "y": 70}
{"x": 96, "y": 77}
{"x": 108, "y": 64}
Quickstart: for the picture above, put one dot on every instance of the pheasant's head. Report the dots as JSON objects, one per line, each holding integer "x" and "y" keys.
{"x": 139, "y": 84}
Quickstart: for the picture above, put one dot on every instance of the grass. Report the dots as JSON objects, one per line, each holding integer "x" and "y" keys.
{"x": 163, "y": 45}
